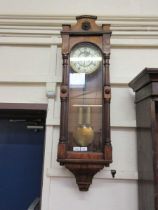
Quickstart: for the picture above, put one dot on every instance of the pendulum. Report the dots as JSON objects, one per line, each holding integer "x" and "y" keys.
{"x": 84, "y": 134}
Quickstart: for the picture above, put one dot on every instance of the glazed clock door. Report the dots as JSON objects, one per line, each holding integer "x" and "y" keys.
{"x": 85, "y": 98}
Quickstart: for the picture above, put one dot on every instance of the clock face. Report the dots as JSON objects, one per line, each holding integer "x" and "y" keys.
{"x": 85, "y": 58}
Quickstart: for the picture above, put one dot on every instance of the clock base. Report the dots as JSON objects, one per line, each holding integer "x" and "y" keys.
{"x": 84, "y": 174}
{"x": 84, "y": 165}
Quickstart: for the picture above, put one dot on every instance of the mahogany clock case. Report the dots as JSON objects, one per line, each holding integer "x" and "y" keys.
{"x": 85, "y": 110}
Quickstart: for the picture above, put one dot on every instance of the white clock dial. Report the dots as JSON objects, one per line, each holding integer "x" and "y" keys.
{"x": 85, "y": 58}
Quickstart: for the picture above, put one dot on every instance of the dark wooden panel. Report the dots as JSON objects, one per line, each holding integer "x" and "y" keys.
{"x": 145, "y": 155}
{"x": 146, "y": 87}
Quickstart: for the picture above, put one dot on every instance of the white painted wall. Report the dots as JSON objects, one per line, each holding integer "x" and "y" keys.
{"x": 64, "y": 7}
{"x": 30, "y": 73}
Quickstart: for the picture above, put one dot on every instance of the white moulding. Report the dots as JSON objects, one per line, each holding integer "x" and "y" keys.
{"x": 105, "y": 174}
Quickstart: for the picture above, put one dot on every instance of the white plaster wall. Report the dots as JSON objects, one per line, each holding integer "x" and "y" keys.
{"x": 30, "y": 73}
{"x": 24, "y": 61}
{"x": 107, "y": 194}
{"x": 64, "y": 7}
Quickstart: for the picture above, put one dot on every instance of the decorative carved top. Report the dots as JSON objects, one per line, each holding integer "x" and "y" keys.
{"x": 87, "y": 17}
{"x": 86, "y": 25}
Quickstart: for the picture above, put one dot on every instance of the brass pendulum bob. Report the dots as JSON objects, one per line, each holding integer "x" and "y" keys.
{"x": 84, "y": 133}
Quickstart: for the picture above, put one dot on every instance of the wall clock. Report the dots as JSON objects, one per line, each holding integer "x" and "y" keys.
{"x": 85, "y": 143}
